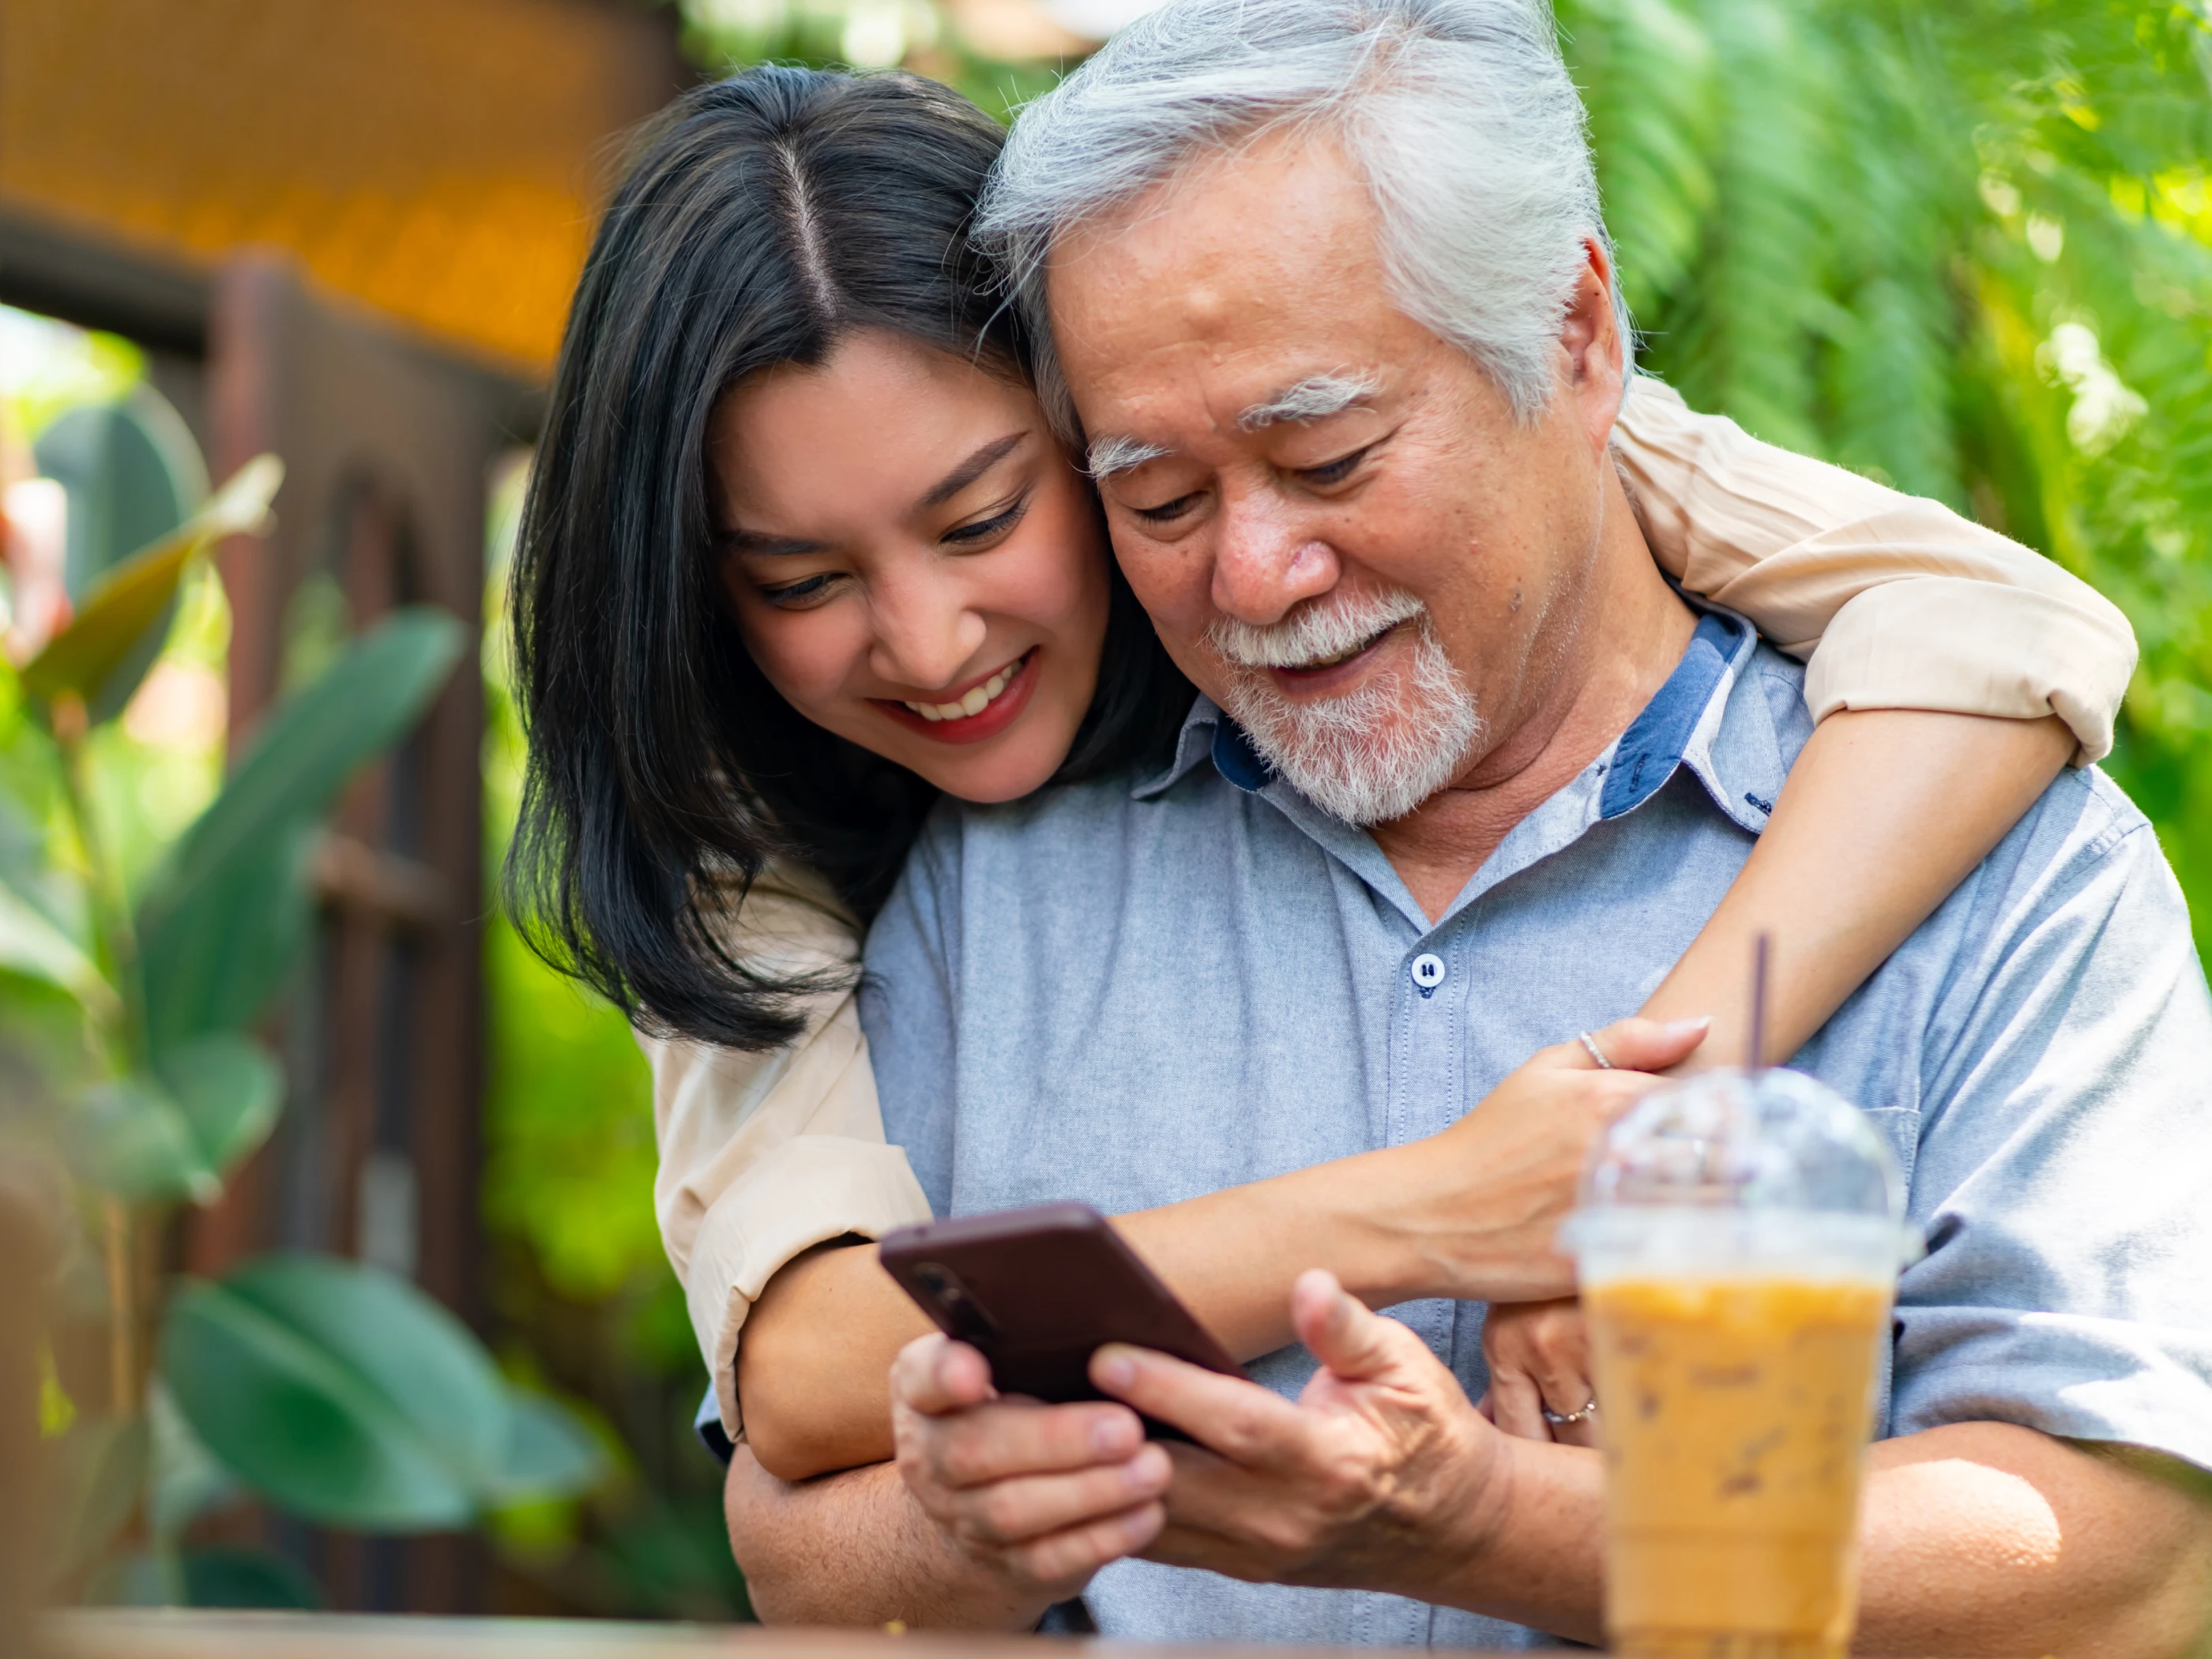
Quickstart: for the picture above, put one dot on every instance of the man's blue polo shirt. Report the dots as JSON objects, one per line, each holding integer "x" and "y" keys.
{"x": 1131, "y": 998}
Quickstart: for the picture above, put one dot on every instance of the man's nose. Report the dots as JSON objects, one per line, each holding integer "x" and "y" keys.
{"x": 1266, "y": 561}
{"x": 925, "y": 635}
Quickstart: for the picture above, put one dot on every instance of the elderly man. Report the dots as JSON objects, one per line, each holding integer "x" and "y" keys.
{"x": 1349, "y": 409}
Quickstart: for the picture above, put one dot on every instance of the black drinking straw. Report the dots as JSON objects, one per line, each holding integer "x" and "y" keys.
{"x": 1756, "y": 1042}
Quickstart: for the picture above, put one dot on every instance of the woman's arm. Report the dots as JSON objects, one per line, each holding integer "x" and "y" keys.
{"x": 763, "y": 1156}
{"x": 1885, "y": 812}
{"x": 1471, "y": 1212}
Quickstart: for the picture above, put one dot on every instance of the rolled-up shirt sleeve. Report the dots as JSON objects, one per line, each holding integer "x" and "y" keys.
{"x": 2063, "y": 1150}
{"x": 1894, "y": 601}
{"x": 763, "y": 1155}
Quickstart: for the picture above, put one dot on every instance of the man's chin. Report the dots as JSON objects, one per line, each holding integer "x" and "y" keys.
{"x": 1370, "y": 777}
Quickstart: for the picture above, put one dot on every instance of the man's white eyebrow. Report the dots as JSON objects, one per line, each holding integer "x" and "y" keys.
{"x": 1314, "y": 399}
{"x": 1110, "y": 455}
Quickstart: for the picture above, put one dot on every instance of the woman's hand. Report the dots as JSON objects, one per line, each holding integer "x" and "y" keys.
{"x": 1476, "y": 1216}
{"x": 1539, "y": 1358}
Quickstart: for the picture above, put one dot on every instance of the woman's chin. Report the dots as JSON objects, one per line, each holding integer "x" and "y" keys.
{"x": 1019, "y": 761}
{"x": 990, "y": 782}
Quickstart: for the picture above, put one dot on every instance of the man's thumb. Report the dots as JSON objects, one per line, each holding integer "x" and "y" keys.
{"x": 1342, "y": 1334}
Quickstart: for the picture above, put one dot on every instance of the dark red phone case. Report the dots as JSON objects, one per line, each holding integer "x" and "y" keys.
{"x": 1037, "y": 1290}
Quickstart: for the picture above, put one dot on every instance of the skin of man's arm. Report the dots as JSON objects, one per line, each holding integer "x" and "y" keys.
{"x": 1885, "y": 813}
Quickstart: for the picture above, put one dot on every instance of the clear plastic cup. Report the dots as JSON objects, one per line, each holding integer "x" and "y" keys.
{"x": 1738, "y": 1241}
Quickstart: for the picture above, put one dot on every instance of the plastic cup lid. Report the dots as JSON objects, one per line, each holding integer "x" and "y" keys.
{"x": 1773, "y": 1158}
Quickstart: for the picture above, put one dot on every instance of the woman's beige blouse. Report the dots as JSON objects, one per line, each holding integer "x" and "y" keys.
{"x": 1896, "y": 602}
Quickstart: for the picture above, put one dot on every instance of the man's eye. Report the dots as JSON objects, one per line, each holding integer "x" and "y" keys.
{"x": 1335, "y": 471}
{"x": 984, "y": 530}
{"x": 1167, "y": 512}
{"x": 799, "y": 595}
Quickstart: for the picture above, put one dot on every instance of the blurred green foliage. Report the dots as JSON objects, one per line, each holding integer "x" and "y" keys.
{"x": 1964, "y": 249}
{"x": 579, "y": 1281}
{"x": 134, "y": 970}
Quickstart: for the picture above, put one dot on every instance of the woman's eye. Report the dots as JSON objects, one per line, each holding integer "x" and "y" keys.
{"x": 984, "y": 530}
{"x": 1335, "y": 471}
{"x": 799, "y": 595}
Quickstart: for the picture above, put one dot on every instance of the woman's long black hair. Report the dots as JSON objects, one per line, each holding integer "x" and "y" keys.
{"x": 763, "y": 219}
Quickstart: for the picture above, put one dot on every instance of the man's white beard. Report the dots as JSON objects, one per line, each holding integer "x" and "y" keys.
{"x": 1374, "y": 754}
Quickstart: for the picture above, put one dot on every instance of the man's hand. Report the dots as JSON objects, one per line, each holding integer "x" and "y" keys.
{"x": 1505, "y": 1175}
{"x": 1538, "y": 1353}
{"x": 1380, "y": 1469}
{"x": 1039, "y": 1496}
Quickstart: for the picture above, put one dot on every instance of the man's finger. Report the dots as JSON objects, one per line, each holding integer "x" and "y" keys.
{"x": 933, "y": 1375}
{"x": 1352, "y": 1341}
{"x": 1009, "y": 1439}
{"x": 1019, "y": 1511}
{"x": 1069, "y": 1558}
{"x": 1242, "y": 1421}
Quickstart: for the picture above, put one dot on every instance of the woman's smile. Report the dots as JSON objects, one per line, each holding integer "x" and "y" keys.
{"x": 982, "y": 709}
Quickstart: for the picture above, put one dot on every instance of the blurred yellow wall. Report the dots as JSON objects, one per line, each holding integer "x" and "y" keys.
{"x": 440, "y": 159}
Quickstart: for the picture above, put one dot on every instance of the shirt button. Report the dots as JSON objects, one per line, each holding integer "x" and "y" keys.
{"x": 1427, "y": 971}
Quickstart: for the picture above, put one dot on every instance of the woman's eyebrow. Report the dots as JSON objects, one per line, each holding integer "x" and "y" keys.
{"x": 760, "y": 545}
{"x": 971, "y": 469}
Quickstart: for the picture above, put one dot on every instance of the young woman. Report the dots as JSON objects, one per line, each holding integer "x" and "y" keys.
{"x": 801, "y": 555}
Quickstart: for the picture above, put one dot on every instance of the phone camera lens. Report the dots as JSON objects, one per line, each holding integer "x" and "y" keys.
{"x": 963, "y": 1316}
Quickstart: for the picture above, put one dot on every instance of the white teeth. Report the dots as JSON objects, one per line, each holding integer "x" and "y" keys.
{"x": 977, "y": 699}
{"x": 1342, "y": 656}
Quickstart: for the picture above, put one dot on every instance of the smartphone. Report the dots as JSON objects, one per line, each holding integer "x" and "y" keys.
{"x": 1038, "y": 1290}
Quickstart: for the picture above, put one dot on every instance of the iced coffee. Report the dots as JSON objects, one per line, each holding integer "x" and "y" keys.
{"x": 1737, "y": 1331}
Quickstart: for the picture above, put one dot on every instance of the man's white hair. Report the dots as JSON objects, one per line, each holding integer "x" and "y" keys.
{"x": 1459, "y": 114}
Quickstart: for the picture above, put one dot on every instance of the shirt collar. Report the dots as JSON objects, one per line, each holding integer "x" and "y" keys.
{"x": 1682, "y": 725}
{"x": 1209, "y": 734}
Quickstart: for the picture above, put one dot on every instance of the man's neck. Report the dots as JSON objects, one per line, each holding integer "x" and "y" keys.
{"x": 1616, "y": 655}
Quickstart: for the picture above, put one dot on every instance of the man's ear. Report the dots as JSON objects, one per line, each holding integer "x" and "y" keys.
{"x": 1596, "y": 354}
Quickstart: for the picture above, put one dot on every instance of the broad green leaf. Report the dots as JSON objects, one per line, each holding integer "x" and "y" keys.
{"x": 346, "y": 1395}
{"x": 126, "y": 1136}
{"x": 126, "y": 604}
{"x": 228, "y": 1088}
{"x": 185, "y": 1478}
{"x": 210, "y": 955}
{"x": 547, "y": 1452}
{"x": 133, "y": 475}
{"x": 315, "y": 741}
{"x": 297, "y": 1422}
{"x": 32, "y": 946}
{"x": 224, "y": 919}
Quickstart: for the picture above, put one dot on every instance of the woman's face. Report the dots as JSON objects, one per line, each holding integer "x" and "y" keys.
{"x": 913, "y": 562}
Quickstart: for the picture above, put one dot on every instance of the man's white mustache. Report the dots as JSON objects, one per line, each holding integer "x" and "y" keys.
{"x": 1325, "y": 630}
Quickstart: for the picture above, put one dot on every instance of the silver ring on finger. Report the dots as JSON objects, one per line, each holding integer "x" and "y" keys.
{"x": 1561, "y": 1419}
{"x": 1589, "y": 1045}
